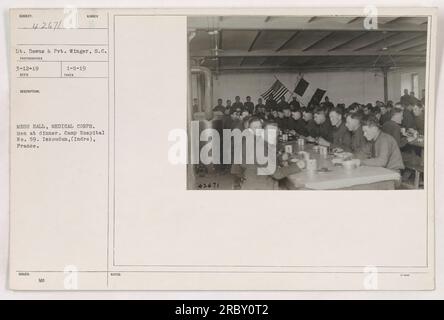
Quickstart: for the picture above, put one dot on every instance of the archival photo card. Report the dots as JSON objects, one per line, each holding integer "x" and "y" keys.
{"x": 146, "y": 146}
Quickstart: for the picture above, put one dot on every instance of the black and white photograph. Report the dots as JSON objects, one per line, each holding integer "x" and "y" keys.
{"x": 336, "y": 102}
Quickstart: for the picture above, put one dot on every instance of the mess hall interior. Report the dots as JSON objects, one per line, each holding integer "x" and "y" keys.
{"x": 347, "y": 100}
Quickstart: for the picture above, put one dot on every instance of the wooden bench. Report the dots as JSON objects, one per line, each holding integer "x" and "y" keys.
{"x": 418, "y": 169}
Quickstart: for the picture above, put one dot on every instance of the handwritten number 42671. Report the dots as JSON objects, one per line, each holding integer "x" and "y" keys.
{"x": 214, "y": 185}
{"x": 48, "y": 25}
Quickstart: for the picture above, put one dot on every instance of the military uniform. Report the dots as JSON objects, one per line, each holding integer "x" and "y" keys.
{"x": 237, "y": 105}
{"x": 258, "y": 107}
{"x": 219, "y": 108}
{"x": 408, "y": 120}
{"x": 385, "y": 153}
{"x": 270, "y": 104}
{"x": 284, "y": 123}
{"x": 359, "y": 144}
{"x": 311, "y": 129}
{"x": 251, "y": 180}
{"x": 249, "y": 106}
{"x": 385, "y": 117}
{"x": 298, "y": 126}
{"x": 282, "y": 104}
{"x": 419, "y": 121}
{"x": 295, "y": 104}
{"x": 341, "y": 137}
{"x": 324, "y": 130}
{"x": 394, "y": 129}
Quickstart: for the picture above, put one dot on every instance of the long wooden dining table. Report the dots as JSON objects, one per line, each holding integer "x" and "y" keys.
{"x": 330, "y": 176}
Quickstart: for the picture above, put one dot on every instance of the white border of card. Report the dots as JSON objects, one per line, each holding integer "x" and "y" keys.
{"x": 115, "y": 215}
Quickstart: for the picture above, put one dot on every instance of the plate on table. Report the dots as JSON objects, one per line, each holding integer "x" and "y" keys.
{"x": 343, "y": 155}
{"x": 337, "y": 161}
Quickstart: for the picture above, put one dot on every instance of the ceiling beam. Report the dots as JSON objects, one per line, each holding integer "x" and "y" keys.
{"x": 400, "y": 44}
{"x": 377, "y": 41}
{"x": 317, "y": 41}
{"x": 392, "y": 20}
{"x": 347, "y": 42}
{"x": 312, "y": 19}
{"x": 258, "y": 34}
{"x": 299, "y": 52}
{"x": 354, "y": 20}
{"x": 315, "y": 67}
{"x": 288, "y": 41}
{"x": 414, "y": 47}
{"x": 320, "y": 25}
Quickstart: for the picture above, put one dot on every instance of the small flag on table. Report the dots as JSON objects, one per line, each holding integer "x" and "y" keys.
{"x": 301, "y": 87}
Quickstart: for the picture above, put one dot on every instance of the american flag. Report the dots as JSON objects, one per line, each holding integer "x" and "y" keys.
{"x": 276, "y": 91}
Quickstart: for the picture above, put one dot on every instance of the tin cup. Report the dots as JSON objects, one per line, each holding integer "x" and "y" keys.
{"x": 323, "y": 150}
{"x": 289, "y": 148}
{"x": 285, "y": 137}
{"x": 301, "y": 142}
{"x": 312, "y": 165}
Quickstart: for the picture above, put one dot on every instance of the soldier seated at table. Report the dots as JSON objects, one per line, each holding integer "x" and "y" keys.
{"x": 219, "y": 107}
{"x": 270, "y": 103}
{"x": 385, "y": 151}
{"x": 408, "y": 119}
{"x": 376, "y": 111}
{"x": 340, "y": 136}
{"x": 354, "y": 107}
{"x": 323, "y": 128}
{"x": 367, "y": 109}
{"x": 418, "y": 112}
{"x": 409, "y": 156}
{"x": 261, "y": 113}
{"x": 236, "y": 120}
{"x": 237, "y": 103}
{"x": 385, "y": 114}
{"x": 229, "y": 107}
{"x": 251, "y": 176}
{"x": 279, "y": 117}
{"x": 282, "y": 103}
{"x": 360, "y": 146}
{"x": 393, "y": 127}
{"x": 294, "y": 103}
{"x": 260, "y": 107}
{"x": 310, "y": 126}
{"x": 248, "y": 105}
{"x": 284, "y": 122}
{"x": 297, "y": 124}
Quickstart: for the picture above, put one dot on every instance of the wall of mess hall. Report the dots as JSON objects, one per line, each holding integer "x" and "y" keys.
{"x": 400, "y": 79}
{"x": 361, "y": 86}
{"x": 342, "y": 87}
